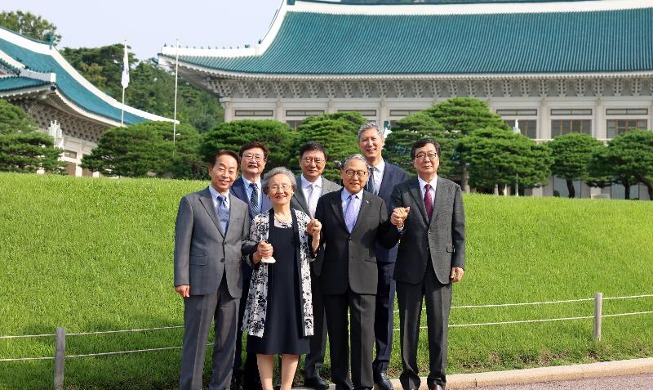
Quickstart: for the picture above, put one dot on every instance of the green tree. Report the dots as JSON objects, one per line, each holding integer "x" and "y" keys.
{"x": 147, "y": 149}
{"x": 412, "y": 128}
{"x": 30, "y": 25}
{"x": 277, "y": 136}
{"x": 102, "y": 66}
{"x": 22, "y": 148}
{"x": 337, "y": 132}
{"x": 629, "y": 159}
{"x": 464, "y": 115}
{"x": 500, "y": 157}
{"x": 572, "y": 154}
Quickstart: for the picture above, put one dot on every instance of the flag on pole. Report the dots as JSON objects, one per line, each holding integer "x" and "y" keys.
{"x": 125, "y": 70}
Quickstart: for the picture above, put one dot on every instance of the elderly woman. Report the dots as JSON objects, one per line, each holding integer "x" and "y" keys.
{"x": 279, "y": 311}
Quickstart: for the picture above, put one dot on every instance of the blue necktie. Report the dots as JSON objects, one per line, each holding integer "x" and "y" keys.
{"x": 371, "y": 187}
{"x": 253, "y": 199}
{"x": 223, "y": 213}
{"x": 351, "y": 213}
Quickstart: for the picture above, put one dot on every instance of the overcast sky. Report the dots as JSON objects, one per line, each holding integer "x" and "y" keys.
{"x": 147, "y": 26}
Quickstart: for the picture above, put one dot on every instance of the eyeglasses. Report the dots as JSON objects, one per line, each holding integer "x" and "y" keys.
{"x": 429, "y": 155}
{"x": 316, "y": 160}
{"x": 282, "y": 187}
{"x": 255, "y": 157}
{"x": 352, "y": 173}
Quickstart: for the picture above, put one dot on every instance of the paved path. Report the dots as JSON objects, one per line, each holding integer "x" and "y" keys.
{"x": 625, "y": 382}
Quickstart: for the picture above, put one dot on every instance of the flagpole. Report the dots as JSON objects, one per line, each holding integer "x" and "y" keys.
{"x": 124, "y": 81}
{"x": 174, "y": 123}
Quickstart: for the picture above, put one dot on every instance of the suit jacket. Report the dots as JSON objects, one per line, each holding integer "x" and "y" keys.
{"x": 349, "y": 258}
{"x": 239, "y": 190}
{"x": 203, "y": 253}
{"x": 392, "y": 175}
{"x": 299, "y": 202}
{"x": 442, "y": 241}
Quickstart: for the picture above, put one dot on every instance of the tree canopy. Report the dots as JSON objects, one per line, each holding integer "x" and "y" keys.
{"x": 572, "y": 154}
{"x": 30, "y": 25}
{"x": 630, "y": 155}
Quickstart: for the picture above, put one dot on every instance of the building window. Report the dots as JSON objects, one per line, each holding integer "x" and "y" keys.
{"x": 70, "y": 154}
{"x": 524, "y": 112}
{"x": 403, "y": 113}
{"x": 304, "y": 113}
{"x": 626, "y": 111}
{"x": 365, "y": 113}
{"x": 254, "y": 113}
{"x": 566, "y": 126}
{"x": 620, "y": 126}
{"x": 527, "y": 127}
{"x": 573, "y": 111}
{"x": 295, "y": 123}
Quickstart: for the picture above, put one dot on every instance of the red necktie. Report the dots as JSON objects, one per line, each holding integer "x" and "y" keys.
{"x": 428, "y": 201}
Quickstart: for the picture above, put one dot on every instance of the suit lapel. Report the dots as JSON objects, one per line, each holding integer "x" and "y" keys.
{"x": 207, "y": 202}
{"x": 336, "y": 207}
{"x": 416, "y": 193}
{"x": 440, "y": 197}
{"x": 365, "y": 208}
{"x": 299, "y": 195}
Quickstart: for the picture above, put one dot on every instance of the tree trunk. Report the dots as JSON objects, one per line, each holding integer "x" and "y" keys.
{"x": 626, "y": 185}
{"x": 571, "y": 189}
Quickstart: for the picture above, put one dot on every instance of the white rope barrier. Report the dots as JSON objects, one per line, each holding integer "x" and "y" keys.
{"x": 124, "y": 331}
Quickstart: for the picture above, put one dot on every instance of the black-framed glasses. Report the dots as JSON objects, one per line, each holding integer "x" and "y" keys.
{"x": 255, "y": 157}
{"x": 315, "y": 160}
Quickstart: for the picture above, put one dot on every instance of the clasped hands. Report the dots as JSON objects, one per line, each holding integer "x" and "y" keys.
{"x": 265, "y": 250}
{"x": 399, "y": 215}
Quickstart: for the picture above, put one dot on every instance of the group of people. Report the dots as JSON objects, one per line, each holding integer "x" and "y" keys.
{"x": 289, "y": 259}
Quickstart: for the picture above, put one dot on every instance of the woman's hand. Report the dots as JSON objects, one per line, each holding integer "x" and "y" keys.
{"x": 263, "y": 251}
{"x": 314, "y": 227}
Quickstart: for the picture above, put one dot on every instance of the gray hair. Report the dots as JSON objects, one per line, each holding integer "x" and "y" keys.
{"x": 353, "y": 157}
{"x": 278, "y": 171}
{"x": 370, "y": 125}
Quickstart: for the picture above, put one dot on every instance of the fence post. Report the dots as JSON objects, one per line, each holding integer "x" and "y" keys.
{"x": 598, "y": 312}
{"x": 59, "y": 357}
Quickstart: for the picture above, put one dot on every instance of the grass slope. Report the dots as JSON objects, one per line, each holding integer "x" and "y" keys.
{"x": 96, "y": 255}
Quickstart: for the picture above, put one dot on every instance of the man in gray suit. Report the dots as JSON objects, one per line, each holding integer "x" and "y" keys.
{"x": 312, "y": 160}
{"x": 211, "y": 233}
{"x": 353, "y": 221}
{"x": 428, "y": 210}
{"x": 382, "y": 180}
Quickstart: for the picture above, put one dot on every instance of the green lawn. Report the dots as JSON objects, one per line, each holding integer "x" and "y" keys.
{"x": 96, "y": 255}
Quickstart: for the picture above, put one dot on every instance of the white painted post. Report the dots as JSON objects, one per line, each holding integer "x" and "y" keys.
{"x": 59, "y": 357}
{"x": 598, "y": 312}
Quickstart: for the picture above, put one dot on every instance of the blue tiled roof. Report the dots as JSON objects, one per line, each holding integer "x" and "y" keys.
{"x": 14, "y": 83}
{"x": 66, "y": 83}
{"x": 312, "y": 43}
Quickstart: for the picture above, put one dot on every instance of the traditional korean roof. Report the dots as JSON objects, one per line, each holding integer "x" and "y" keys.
{"x": 527, "y": 37}
{"x": 28, "y": 66}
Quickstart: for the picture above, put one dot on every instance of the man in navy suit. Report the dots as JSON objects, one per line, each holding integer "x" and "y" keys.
{"x": 381, "y": 181}
{"x": 254, "y": 156}
{"x": 211, "y": 234}
{"x": 429, "y": 212}
{"x": 311, "y": 186}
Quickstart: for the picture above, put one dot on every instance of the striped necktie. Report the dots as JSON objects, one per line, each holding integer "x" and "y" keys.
{"x": 253, "y": 200}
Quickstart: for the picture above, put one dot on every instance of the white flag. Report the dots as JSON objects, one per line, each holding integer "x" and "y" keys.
{"x": 125, "y": 70}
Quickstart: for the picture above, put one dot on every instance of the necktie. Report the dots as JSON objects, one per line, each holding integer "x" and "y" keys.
{"x": 253, "y": 200}
{"x": 351, "y": 213}
{"x": 312, "y": 199}
{"x": 370, "y": 181}
{"x": 223, "y": 213}
{"x": 428, "y": 201}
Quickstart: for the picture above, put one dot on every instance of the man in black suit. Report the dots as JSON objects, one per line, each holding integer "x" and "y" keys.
{"x": 381, "y": 181}
{"x": 353, "y": 220}
{"x": 430, "y": 214}
{"x": 254, "y": 156}
{"x": 211, "y": 233}
{"x": 311, "y": 186}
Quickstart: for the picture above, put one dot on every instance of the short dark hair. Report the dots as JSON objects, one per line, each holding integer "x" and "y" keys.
{"x": 222, "y": 153}
{"x": 255, "y": 144}
{"x": 311, "y": 146}
{"x": 423, "y": 142}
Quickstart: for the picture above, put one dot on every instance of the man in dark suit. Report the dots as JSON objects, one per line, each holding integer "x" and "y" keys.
{"x": 254, "y": 156}
{"x": 429, "y": 212}
{"x": 211, "y": 230}
{"x": 312, "y": 160}
{"x": 381, "y": 181}
{"x": 353, "y": 220}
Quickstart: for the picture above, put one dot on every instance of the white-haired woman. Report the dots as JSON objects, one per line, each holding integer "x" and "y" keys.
{"x": 279, "y": 312}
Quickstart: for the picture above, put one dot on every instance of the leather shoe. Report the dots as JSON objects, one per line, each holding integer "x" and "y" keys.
{"x": 382, "y": 381}
{"x": 316, "y": 382}
{"x": 437, "y": 387}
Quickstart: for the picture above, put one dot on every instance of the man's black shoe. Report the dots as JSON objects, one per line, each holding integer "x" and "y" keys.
{"x": 316, "y": 383}
{"x": 382, "y": 381}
